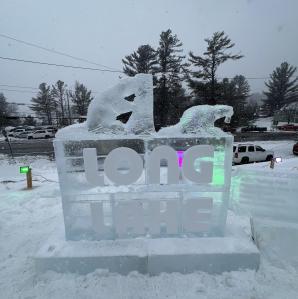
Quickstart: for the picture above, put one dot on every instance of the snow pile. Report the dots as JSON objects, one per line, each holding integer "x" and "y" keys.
{"x": 264, "y": 122}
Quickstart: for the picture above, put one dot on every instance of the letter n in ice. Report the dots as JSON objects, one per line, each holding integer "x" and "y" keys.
{"x": 162, "y": 152}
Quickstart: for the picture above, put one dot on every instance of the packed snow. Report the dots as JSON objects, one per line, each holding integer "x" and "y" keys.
{"x": 27, "y": 218}
{"x": 264, "y": 122}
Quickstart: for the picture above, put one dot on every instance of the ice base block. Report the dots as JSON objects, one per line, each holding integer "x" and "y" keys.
{"x": 150, "y": 256}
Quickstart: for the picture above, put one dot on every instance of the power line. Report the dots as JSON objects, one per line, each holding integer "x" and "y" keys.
{"x": 26, "y": 91}
{"x": 58, "y": 65}
{"x": 101, "y": 70}
{"x": 54, "y": 51}
{"x": 15, "y": 90}
{"x": 18, "y": 86}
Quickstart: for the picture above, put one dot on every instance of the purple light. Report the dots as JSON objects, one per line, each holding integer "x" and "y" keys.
{"x": 180, "y": 155}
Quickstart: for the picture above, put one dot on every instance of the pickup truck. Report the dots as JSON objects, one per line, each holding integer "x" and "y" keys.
{"x": 288, "y": 127}
{"x": 253, "y": 128}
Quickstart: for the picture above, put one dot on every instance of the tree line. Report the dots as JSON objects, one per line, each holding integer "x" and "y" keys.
{"x": 54, "y": 104}
{"x": 6, "y": 111}
{"x": 59, "y": 105}
{"x": 182, "y": 81}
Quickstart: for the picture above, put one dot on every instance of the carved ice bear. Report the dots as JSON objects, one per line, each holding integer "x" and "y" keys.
{"x": 200, "y": 118}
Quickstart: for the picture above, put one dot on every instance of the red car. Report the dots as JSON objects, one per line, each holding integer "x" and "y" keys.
{"x": 295, "y": 149}
{"x": 288, "y": 127}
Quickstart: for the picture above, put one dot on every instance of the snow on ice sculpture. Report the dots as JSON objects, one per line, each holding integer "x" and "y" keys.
{"x": 200, "y": 119}
{"x": 131, "y": 95}
{"x": 173, "y": 199}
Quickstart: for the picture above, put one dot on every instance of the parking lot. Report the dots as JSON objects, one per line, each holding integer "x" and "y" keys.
{"x": 34, "y": 147}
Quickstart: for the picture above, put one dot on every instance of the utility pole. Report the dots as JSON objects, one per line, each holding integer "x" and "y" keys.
{"x": 7, "y": 140}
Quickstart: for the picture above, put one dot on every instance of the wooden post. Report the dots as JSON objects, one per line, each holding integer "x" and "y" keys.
{"x": 29, "y": 179}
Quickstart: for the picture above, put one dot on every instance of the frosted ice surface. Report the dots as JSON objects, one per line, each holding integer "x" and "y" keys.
{"x": 135, "y": 95}
{"x": 200, "y": 120}
{"x": 129, "y": 95}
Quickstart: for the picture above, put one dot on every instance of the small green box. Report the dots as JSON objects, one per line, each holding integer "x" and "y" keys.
{"x": 24, "y": 169}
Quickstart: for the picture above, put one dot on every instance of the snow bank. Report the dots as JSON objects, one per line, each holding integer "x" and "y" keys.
{"x": 28, "y": 218}
{"x": 266, "y": 122}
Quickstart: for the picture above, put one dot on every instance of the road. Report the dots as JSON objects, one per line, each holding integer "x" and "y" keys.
{"x": 28, "y": 147}
{"x": 45, "y": 146}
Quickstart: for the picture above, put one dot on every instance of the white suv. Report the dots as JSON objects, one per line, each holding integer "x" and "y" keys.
{"x": 245, "y": 153}
{"x": 41, "y": 134}
{"x": 16, "y": 133}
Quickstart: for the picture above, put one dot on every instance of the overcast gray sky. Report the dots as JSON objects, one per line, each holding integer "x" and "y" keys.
{"x": 265, "y": 31}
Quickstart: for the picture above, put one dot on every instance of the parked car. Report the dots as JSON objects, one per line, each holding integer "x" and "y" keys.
{"x": 253, "y": 128}
{"x": 25, "y": 134}
{"x": 41, "y": 134}
{"x": 54, "y": 129}
{"x": 245, "y": 153}
{"x": 15, "y": 133}
{"x": 295, "y": 148}
{"x": 288, "y": 127}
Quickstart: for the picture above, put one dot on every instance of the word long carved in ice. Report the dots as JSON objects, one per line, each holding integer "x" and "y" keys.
{"x": 123, "y": 157}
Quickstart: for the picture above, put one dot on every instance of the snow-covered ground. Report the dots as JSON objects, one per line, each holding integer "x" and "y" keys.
{"x": 27, "y": 218}
{"x": 267, "y": 122}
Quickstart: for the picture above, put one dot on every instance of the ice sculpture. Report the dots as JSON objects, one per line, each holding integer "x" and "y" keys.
{"x": 97, "y": 205}
{"x": 199, "y": 120}
{"x": 133, "y": 95}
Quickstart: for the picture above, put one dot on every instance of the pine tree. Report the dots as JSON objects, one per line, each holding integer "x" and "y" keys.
{"x": 235, "y": 93}
{"x": 81, "y": 98}
{"x": 204, "y": 81}
{"x": 171, "y": 73}
{"x": 282, "y": 89}
{"x": 59, "y": 95}
{"x": 3, "y": 110}
{"x": 144, "y": 60}
{"x": 43, "y": 104}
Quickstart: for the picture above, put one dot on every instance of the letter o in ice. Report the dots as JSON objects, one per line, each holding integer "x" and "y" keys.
{"x": 206, "y": 168}
{"x": 116, "y": 159}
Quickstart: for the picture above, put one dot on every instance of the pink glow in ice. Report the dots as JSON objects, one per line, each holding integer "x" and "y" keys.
{"x": 180, "y": 158}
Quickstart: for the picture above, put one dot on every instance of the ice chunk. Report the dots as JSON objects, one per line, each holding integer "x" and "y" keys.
{"x": 133, "y": 95}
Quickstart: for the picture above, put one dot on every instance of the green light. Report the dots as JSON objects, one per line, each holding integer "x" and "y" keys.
{"x": 24, "y": 169}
